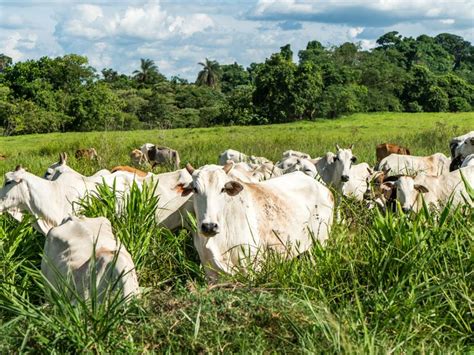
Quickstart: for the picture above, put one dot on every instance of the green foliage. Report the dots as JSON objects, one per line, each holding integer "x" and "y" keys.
{"x": 432, "y": 74}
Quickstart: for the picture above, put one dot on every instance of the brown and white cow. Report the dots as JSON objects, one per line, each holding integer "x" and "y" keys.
{"x": 88, "y": 153}
{"x": 385, "y": 149}
{"x": 239, "y": 222}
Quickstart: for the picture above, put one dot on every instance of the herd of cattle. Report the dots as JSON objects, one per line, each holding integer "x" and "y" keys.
{"x": 244, "y": 207}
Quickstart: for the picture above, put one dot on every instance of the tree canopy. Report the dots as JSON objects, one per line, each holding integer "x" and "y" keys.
{"x": 426, "y": 73}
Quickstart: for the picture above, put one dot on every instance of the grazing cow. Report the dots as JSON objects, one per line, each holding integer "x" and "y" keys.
{"x": 52, "y": 201}
{"x": 89, "y": 154}
{"x": 68, "y": 254}
{"x": 397, "y": 164}
{"x": 436, "y": 190}
{"x": 468, "y": 161}
{"x": 293, "y": 163}
{"x": 457, "y": 141}
{"x": 55, "y": 170}
{"x": 266, "y": 171}
{"x": 294, "y": 153}
{"x": 160, "y": 155}
{"x": 137, "y": 157}
{"x": 334, "y": 169}
{"x": 385, "y": 149}
{"x": 238, "y": 222}
{"x": 238, "y": 157}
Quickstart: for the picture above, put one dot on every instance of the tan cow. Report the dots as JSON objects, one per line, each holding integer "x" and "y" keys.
{"x": 89, "y": 154}
{"x": 385, "y": 149}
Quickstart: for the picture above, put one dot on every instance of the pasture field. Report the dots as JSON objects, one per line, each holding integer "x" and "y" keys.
{"x": 384, "y": 282}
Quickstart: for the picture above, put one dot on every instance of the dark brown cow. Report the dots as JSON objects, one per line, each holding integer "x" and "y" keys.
{"x": 385, "y": 149}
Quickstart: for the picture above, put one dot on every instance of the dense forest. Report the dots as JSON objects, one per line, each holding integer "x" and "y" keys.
{"x": 430, "y": 74}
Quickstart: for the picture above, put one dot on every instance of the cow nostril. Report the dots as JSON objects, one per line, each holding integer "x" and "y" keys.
{"x": 209, "y": 228}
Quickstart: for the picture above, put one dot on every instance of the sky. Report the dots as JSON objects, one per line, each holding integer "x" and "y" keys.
{"x": 177, "y": 34}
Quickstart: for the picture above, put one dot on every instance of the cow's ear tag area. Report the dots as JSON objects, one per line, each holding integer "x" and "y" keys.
{"x": 233, "y": 188}
{"x": 185, "y": 190}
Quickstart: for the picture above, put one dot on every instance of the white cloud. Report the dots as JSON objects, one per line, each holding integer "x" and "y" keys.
{"x": 353, "y": 32}
{"x": 147, "y": 22}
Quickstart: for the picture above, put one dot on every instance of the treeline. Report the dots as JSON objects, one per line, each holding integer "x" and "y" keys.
{"x": 429, "y": 74}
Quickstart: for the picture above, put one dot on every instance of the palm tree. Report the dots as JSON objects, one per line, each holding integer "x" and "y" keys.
{"x": 210, "y": 74}
{"x": 148, "y": 70}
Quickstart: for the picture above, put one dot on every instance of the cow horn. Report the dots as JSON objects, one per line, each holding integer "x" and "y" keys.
{"x": 62, "y": 158}
{"x": 228, "y": 166}
{"x": 189, "y": 168}
{"x": 351, "y": 146}
{"x": 18, "y": 167}
{"x": 337, "y": 147}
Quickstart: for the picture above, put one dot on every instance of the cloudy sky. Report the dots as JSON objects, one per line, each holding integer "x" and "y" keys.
{"x": 177, "y": 34}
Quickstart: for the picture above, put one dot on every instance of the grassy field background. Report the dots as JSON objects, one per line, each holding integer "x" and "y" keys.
{"x": 384, "y": 283}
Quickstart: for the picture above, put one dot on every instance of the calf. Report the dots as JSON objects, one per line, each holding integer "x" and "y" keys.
{"x": 89, "y": 154}
{"x": 238, "y": 222}
{"x": 385, "y": 149}
{"x": 69, "y": 254}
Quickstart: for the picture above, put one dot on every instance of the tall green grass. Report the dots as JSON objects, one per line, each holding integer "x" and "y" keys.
{"x": 385, "y": 282}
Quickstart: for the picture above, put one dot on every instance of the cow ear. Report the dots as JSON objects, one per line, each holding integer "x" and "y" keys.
{"x": 233, "y": 188}
{"x": 387, "y": 188}
{"x": 183, "y": 189}
{"x": 421, "y": 188}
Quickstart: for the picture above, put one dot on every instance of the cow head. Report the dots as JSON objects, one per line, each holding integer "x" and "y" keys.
{"x": 465, "y": 148}
{"x": 408, "y": 193}
{"x": 14, "y": 191}
{"x": 212, "y": 188}
{"x": 344, "y": 160}
{"x": 56, "y": 169}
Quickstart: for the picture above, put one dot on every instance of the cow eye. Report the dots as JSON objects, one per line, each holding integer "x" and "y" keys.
{"x": 353, "y": 159}
{"x": 195, "y": 190}
{"x": 223, "y": 190}
{"x": 8, "y": 182}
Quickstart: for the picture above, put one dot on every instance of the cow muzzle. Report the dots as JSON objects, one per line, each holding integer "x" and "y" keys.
{"x": 209, "y": 229}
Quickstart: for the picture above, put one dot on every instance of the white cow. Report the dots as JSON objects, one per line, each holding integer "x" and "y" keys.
{"x": 397, "y": 164}
{"x": 68, "y": 255}
{"x": 436, "y": 190}
{"x": 56, "y": 169}
{"x": 457, "y": 141}
{"x": 172, "y": 206}
{"x": 49, "y": 201}
{"x": 334, "y": 169}
{"x": 293, "y": 163}
{"x": 295, "y": 153}
{"x": 238, "y": 157}
{"x": 239, "y": 222}
{"x": 357, "y": 185}
{"x": 468, "y": 161}
{"x": 461, "y": 147}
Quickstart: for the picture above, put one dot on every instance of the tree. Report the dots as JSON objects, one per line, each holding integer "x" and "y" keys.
{"x": 148, "y": 73}
{"x": 455, "y": 45}
{"x": 233, "y": 75}
{"x": 5, "y": 61}
{"x": 210, "y": 74}
{"x": 274, "y": 89}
